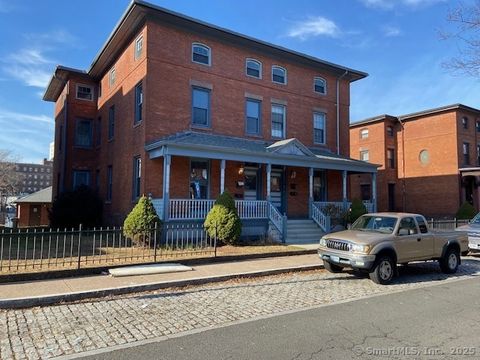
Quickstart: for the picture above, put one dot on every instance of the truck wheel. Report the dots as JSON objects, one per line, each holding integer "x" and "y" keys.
{"x": 383, "y": 271}
{"x": 332, "y": 267}
{"x": 449, "y": 262}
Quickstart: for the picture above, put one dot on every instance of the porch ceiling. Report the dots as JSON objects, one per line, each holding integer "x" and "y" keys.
{"x": 195, "y": 144}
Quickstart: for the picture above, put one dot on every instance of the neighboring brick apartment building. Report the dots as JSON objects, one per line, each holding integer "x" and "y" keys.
{"x": 34, "y": 177}
{"x": 180, "y": 109}
{"x": 429, "y": 159}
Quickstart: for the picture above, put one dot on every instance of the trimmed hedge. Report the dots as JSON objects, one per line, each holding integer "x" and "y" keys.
{"x": 222, "y": 220}
{"x": 466, "y": 211}
{"x": 140, "y": 222}
{"x": 357, "y": 209}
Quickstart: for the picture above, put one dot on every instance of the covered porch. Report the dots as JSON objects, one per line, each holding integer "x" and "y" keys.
{"x": 271, "y": 183}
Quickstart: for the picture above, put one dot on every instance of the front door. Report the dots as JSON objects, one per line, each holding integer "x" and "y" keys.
{"x": 251, "y": 184}
{"x": 35, "y": 211}
{"x": 276, "y": 190}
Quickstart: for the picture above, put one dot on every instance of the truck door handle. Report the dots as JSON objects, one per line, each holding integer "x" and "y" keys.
{"x": 419, "y": 239}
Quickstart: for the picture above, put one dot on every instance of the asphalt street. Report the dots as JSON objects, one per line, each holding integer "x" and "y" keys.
{"x": 434, "y": 322}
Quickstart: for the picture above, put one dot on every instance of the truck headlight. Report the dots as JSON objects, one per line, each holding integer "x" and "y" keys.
{"x": 359, "y": 248}
{"x": 323, "y": 242}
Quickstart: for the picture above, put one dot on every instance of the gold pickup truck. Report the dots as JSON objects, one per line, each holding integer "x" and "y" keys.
{"x": 377, "y": 242}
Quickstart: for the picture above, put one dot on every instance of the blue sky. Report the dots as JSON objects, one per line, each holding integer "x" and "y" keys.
{"x": 395, "y": 41}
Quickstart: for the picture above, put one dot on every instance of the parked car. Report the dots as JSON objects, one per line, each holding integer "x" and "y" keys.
{"x": 377, "y": 242}
{"x": 472, "y": 229}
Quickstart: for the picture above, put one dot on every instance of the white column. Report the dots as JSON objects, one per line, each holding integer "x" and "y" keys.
{"x": 269, "y": 173}
{"x": 310, "y": 191}
{"x": 222, "y": 176}
{"x": 374, "y": 191}
{"x": 167, "y": 159}
{"x": 344, "y": 185}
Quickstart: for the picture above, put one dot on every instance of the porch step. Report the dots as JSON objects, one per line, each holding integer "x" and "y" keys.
{"x": 303, "y": 232}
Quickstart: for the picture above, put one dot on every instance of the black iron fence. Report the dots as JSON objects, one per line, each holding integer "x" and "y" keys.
{"x": 33, "y": 250}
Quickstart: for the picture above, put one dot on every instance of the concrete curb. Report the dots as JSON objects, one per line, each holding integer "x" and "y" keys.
{"x": 26, "y": 302}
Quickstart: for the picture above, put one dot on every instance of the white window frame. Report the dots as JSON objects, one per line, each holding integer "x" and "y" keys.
{"x": 138, "y": 54}
{"x": 324, "y": 127}
{"x": 260, "y": 68}
{"x": 112, "y": 77}
{"x": 85, "y": 86}
{"x": 284, "y": 135}
{"x": 209, "y": 54}
{"x": 364, "y": 152}
{"x": 364, "y": 133}
{"x": 284, "y": 70}
{"x": 324, "y": 85}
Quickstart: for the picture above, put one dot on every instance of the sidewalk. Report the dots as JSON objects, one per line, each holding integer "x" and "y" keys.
{"x": 43, "y": 292}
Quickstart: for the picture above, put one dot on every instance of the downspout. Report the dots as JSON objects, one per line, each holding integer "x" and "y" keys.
{"x": 338, "y": 110}
{"x": 404, "y": 186}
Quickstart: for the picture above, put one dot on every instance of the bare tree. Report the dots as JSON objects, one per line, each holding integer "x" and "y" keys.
{"x": 465, "y": 20}
{"x": 9, "y": 179}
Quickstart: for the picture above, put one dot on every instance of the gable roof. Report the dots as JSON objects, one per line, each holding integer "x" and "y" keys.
{"x": 42, "y": 196}
{"x": 289, "y": 146}
{"x": 137, "y": 13}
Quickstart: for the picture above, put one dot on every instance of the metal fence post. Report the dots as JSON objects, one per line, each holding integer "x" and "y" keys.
{"x": 215, "y": 242}
{"x": 155, "y": 243}
{"x": 79, "y": 245}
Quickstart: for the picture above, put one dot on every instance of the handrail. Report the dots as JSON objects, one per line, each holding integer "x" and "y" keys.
{"x": 276, "y": 217}
{"x": 320, "y": 218}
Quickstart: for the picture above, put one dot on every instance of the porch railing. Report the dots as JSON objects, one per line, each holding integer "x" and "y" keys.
{"x": 252, "y": 209}
{"x": 320, "y": 218}
{"x": 339, "y": 206}
{"x": 189, "y": 209}
{"x": 277, "y": 219}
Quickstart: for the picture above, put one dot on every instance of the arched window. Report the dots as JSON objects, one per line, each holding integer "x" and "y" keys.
{"x": 320, "y": 85}
{"x": 253, "y": 68}
{"x": 201, "y": 54}
{"x": 279, "y": 75}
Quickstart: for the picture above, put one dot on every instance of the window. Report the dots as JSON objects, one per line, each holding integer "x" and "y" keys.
{"x": 408, "y": 224}
{"x": 320, "y": 85}
{"x": 390, "y": 130}
{"x": 109, "y": 183}
{"x": 201, "y": 107}
{"x": 421, "y": 224}
{"x": 84, "y": 92}
{"x": 138, "y": 103}
{"x": 81, "y": 177}
{"x": 137, "y": 173}
{"x": 99, "y": 131}
{"x": 466, "y": 153}
{"x": 319, "y": 128}
{"x": 99, "y": 90}
{"x": 111, "y": 122}
{"x": 199, "y": 179}
{"x": 112, "y": 77}
{"x": 478, "y": 155}
{"x": 252, "y": 120}
{"x": 138, "y": 47}
{"x": 201, "y": 54}
{"x": 254, "y": 68}
{"x": 478, "y": 126}
{"x": 363, "y": 133}
{"x": 391, "y": 158}
{"x": 278, "y": 121}
{"x": 465, "y": 122}
{"x": 83, "y": 133}
{"x": 365, "y": 192}
{"x": 279, "y": 75}
{"x": 364, "y": 156}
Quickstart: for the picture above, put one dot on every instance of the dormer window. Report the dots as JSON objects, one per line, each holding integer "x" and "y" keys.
{"x": 201, "y": 54}
{"x": 320, "y": 85}
{"x": 254, "y": 68}
{"x": 279, "y": 75}
{"x": 84, "y": 92}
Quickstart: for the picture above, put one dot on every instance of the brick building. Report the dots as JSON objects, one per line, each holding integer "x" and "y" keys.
{"x": 34, "y": 177}
{"x": 181, "y": 110}
{"x": 429, "y": 159}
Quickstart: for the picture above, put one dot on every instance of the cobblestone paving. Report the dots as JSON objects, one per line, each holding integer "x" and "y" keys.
{"x": 45, "y": 332}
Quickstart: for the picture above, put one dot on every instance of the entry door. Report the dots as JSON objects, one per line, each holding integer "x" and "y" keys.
{"x": 34, "y": 215}
{"x": 251, "y": 184}
{"x": 276, "y": 190}
{"x": 391, "y": 197}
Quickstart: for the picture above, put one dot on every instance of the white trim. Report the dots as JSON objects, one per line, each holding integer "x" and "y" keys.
{"x": 86, "y": 86}
{"x": 281, "y": 68}
{"x": 324, "y": 86}
{"x": 362, "y": 132}
{"x": 209, "y": 53}
{"x": 260, "y": 70}
{"x": 135, "y": 56}
{"x": 284, "y": 135}
{"x": 110, "y": 82}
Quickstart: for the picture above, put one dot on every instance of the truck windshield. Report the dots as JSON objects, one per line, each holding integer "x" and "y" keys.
{"x": 476, "y": 220}
{"x": 383, "y": 224}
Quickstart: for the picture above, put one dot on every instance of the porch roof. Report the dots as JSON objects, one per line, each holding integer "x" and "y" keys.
{"x": 290, "y": 152}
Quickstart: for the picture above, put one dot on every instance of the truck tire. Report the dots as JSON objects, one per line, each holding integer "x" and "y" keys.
{"x": 332, "y": 267}
{"x": 383, "y": 270}
{"x": 450, "y": 260}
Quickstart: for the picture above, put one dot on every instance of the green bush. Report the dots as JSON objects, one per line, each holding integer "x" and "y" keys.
{"x": 139, "y": 223}
{"x": 72, "y": 208}
{"x": 222, "y": 220}
{"x": 466, "y": 211}
{"x": 357, "y": 209}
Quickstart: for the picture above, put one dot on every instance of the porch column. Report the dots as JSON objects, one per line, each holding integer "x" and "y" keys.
{"x": 167, "y": 159}
{"x": 374, "y": 191}
{"x": 222, "y": 176}
{"x": 344, "y": 188}
{"x": 269, "y": 172}
{"x": 310, "y": 191}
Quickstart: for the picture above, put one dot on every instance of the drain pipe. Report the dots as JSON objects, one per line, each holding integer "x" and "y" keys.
{"x": 338, "y": 110}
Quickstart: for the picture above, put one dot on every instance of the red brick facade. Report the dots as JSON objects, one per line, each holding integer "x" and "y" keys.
{"x": 428, "y": 153}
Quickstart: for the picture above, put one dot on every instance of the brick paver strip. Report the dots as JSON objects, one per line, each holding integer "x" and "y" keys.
{"x": 44, "y": 332}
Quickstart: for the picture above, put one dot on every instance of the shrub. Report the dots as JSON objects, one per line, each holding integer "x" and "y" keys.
{"x": 466, "y": 211}
{"x": 80, "y": 206}
{"x": 357, "y": 209}
{"x": 222, "y": 220}
{"x": 141, "y": 220}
